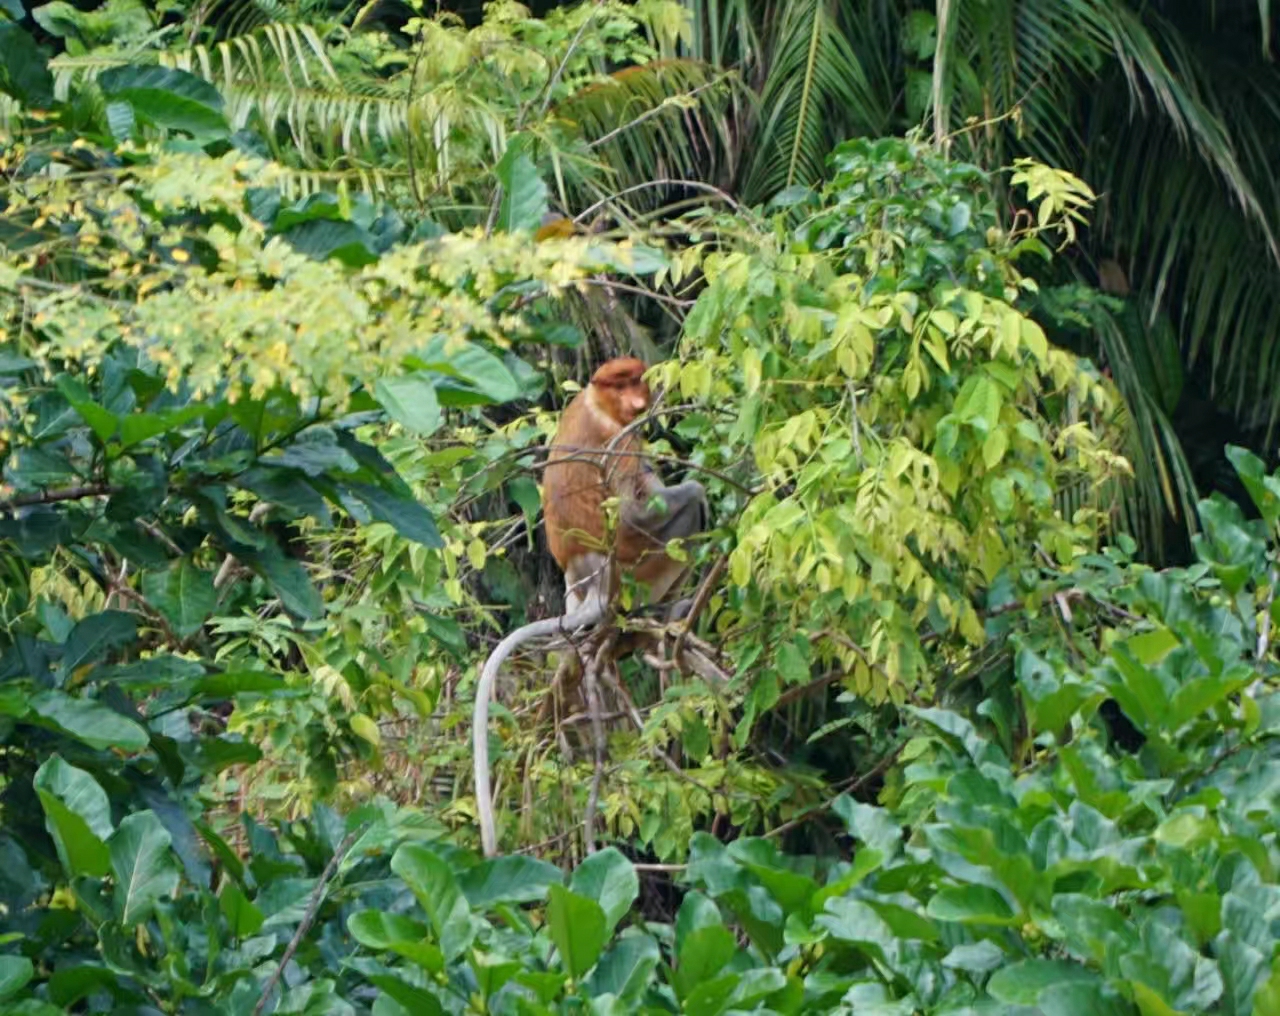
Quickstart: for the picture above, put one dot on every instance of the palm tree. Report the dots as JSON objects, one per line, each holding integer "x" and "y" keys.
{"x": 1171, "y": 111}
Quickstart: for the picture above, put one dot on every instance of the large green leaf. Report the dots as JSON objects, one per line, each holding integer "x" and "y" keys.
{"x": 78, "y": 816}
{"x": 1021, "y": 983}
{"x": 577, "y": 927}
{"x": 377, "y": 929}
{"x": 183, "y": 593}
{"x": 432, "y": 882}
{"x": 405, "y": 514}
{"x": 15, "y": 972}
{"x": 411, "y": 1000}
{"x": 95, "y": 636}
{"x": 145, "y": 868}
{"x": 471, "y": 374}
{"x": 702, "y": 954}
{"x": 610, "y": 879}
{"x": 410, "y": 400}
{"x": 91, "y": 722}
{"x": 289, "y": 580}
{"x": 514, "y": 879}
{"x": 24, "y": 73}
{"x": 524, "y": 195}
{"x": 343, "y": 241}
{"x": 170, "y": 98}
{"x": 243, "y": 918}
{"x": 627, "y": 968}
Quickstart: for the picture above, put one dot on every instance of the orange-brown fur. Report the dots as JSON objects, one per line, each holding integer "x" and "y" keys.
{"x": 582, "y": 472}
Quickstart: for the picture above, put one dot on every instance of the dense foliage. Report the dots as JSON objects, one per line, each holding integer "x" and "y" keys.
{"x": 269, "y": 432}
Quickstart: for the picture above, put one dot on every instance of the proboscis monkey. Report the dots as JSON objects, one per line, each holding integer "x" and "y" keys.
{"x": 583, "y": 471}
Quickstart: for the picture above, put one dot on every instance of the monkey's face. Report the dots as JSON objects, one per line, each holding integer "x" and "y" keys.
{"x": 621, "y": 390}
{"x": 633, "y": 399}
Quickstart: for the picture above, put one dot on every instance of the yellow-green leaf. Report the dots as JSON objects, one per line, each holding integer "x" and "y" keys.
{"x": 1034, "y": 339}
{"x": 993, "y": 449}
{"x": 363, "y": 727}
{"x": 752, "y": 370}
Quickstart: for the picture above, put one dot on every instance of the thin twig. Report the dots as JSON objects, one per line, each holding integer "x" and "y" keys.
{"x": 590, "y": 685}
{"x": 408, "y": 112}
{"x": 664, "y": 182}
{"x": 313, "y": 907}
{"x": 844, "y": 787}
{"x": 700, "y": 599}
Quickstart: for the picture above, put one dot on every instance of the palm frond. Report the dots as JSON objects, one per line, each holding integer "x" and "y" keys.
{"x": 1213, "y": 267}
{"x": 814, "y": 94}
{"x": 669, "y": 120}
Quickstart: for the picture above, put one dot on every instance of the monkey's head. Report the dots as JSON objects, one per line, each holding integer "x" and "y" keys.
{"x": 621, "y": 389}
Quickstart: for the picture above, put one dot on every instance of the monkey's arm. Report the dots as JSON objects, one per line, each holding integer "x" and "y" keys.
{"x": 665, "y": 513}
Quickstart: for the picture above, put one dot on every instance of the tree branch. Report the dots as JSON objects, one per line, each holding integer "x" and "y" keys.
{"x": 61, "y": 494}
{"x": 308, "y": 918}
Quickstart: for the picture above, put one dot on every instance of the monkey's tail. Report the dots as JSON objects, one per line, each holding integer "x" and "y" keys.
{"x": 588, "y": 614}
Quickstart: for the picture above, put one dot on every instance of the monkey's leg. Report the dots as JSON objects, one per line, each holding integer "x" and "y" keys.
{"x": 584, "y": 579}
{"x": 666, "y": 513}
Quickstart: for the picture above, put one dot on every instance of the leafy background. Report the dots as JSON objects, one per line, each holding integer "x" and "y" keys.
{"x": 959, "y": 312}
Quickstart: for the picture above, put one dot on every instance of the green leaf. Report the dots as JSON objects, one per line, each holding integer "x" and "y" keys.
{"x": 316, "y": 453}
{"x": 343, "y": 241}
{"x": 432, "y": 882}
{"x": 375, "y": 929}
{"x": 994, "y": 447}
{"x": 524, "y": 492}
{"x": 77, "y": 815}
{"x": 524, "y": 195}
{"x": 90, "y": 722}
{"x": 95, "y": 636}
{"x": 626, "y": 970}
{"x": 138, "y": 427}
{"x": 975, "y": 957}
{"x": 577, "y": 927}
{"x": 610, "y": 879}
{"x": 702, "y": 954}
{"x": 101, "y": 421}
{"x": 471, "y": 374}
{"x": 514, "y": 879}
{"x": 144, "y": 867}
{"x": 970, "y": 904}
{"x": 239, "y": 682}
{"x": 1083, "y": 999}
{"x": 1253, "y": 475}
{"x": 792, "y": 890}
{"x": 411, "y": 401}
{"x": 288, "y": 579}
{"x": 15, "y": 972}
{"x": 121, "y": 121}
{"x": 413, "y": 1001}
{"x": 709, "y": 997}
{"x": 243, "y": 918}
{"x": 24, "y": 71}
{"x": 169, "y": 98}
{"x": 183, "y": 593}
{"x": 1021, "y": 983}
{"x": 855, "y": 922}
{"x": 405, "y": 514}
